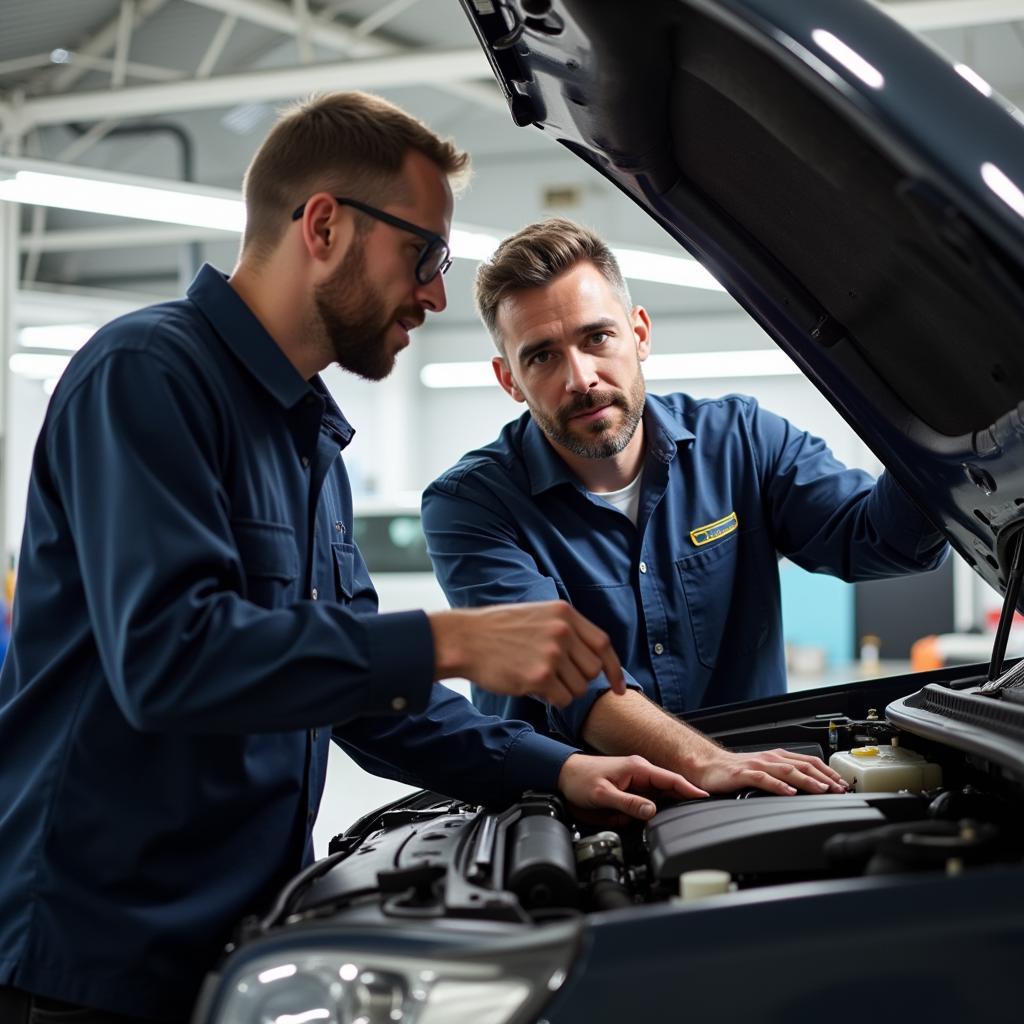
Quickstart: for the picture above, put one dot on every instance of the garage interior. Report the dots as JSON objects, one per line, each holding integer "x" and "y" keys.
{"x": 178, "y": 93}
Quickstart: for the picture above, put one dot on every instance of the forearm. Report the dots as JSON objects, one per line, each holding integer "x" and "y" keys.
{"x": 632, "y": 724}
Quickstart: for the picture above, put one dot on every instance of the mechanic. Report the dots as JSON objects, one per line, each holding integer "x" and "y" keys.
{"x": 661, "y": 518}
{"x": 193, "y": 620}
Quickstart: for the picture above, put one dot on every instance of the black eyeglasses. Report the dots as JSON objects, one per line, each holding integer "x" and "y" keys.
{"x": 435, "y": 257}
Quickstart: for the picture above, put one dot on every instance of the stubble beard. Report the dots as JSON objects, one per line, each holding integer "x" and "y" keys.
{"x": 352, "y": 322}
{"x": 561, "y": 431}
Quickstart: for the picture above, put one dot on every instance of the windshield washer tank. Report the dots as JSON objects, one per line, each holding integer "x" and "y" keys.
{"x": 885, "y": 769}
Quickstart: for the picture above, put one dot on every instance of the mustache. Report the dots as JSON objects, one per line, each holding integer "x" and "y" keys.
{"x": 591, "y": 400}
{"x": 412, "y": 315}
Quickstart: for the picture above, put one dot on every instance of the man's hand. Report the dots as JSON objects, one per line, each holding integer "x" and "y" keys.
{"x": 620, "y": 784}
{"x": 633, "y": 724}
{"x": 542, "y": 649}
{"x": 775, "y": 771}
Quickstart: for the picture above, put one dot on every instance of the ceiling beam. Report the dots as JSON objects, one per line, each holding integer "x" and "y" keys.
{"x": 424, "y": 67}
{"x": 99, "y": 44}
{"x": 927, "y": 15}
{"x": 343, "y": 39}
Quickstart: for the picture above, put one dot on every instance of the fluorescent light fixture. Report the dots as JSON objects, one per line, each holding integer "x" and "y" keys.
{"x": 38, "y": 365}
{"x": 641, "y": 265}
{"x": 849, "y": 58}
{"x": 472, "y": 244}
{"x": 119, "y": 199}
{"x": 1010, "y": 193}
{"x": 974, "y": 78}
{"x": 71, "y": 188}
{"x": 66, "y": 337}
{"x": 758, "y": 362}
{"x": 457, "y": 375}
{"x": 761, "y": 362}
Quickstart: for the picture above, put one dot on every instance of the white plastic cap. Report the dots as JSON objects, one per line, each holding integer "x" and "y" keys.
{"x": 694, "y": 885}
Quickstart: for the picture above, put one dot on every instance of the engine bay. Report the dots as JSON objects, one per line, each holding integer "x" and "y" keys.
{"x": 916, "y": 805}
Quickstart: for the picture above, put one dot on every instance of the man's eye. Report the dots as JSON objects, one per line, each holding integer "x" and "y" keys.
{"x": 600, "y": 337}
{"x": 538, "y": 358}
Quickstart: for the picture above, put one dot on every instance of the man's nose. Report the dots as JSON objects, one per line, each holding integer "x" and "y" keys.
{"x": 432, "y": 294}
{"x": 580, "y": 374}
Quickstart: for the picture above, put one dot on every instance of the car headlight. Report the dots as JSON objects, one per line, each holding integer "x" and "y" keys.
{"x": 328, "y": 986}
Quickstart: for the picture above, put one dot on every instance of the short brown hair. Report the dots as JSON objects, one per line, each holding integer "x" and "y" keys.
{"x": 349, "y": 143}
{"x": 534, "y": 256}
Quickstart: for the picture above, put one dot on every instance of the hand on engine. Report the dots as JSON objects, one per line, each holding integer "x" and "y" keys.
{"x": 621, "y": 784}
{"x": 775, "y": 771}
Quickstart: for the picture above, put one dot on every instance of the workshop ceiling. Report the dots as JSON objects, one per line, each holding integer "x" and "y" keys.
{"x": 74, "y": 76}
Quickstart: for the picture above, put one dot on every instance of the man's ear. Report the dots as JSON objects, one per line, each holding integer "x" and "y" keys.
{"x": 327, "y": 228}
{"x": 641, "y": 324}
{"x": 505, "y": 378}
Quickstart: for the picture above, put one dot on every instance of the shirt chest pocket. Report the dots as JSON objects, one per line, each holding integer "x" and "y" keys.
{"x": 270, "y": 561}
{"x": 343, "y": 559}
{"x": 729, "y": 611}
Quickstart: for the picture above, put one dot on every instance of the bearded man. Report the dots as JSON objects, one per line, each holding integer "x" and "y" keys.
{"x": 660, "y": 518}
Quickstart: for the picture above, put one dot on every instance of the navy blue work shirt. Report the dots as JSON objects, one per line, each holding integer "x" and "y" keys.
{"x": 690, "y": 595}
{"x": 191, "y": 620}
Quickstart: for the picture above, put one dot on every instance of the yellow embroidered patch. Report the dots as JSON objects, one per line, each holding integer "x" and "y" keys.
{"x": 706, "y": 534}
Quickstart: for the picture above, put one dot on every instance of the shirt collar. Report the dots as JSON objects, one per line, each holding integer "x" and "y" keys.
{"x": 237, "y": 326}
{"x": 663, "y": 429}
{"x": 546, "y": 468}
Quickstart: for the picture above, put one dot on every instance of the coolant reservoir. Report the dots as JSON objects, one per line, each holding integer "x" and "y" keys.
{"x": 885, "y": 769}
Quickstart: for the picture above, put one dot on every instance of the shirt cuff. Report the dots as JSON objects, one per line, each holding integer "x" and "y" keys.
{"x": 908, "y": 529}
{"x": 401, "y": 649}
{"x": 569, "y": 721}
{"x": 534, "y": 762}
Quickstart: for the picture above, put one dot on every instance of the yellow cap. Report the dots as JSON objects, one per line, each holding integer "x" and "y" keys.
{"x": 865, "y": 751}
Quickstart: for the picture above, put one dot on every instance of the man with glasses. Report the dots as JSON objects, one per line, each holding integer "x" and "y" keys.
{"x": 193, "y": 622}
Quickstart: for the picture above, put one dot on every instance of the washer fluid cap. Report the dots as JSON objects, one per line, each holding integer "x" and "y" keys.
{"x": 865, "y": 751}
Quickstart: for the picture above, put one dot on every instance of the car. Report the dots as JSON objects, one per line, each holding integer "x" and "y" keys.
{"x": 863, "y": 200}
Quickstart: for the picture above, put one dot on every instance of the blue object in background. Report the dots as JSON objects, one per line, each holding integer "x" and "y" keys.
{"x": 817, "y": 611}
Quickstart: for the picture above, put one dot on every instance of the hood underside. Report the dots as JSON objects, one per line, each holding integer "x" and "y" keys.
{"x": 853, "y": 192}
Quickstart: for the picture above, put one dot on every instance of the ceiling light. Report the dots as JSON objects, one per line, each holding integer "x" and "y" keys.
{"x": 38, "y": 365}
{"x": 67, "y": 337}
{"x": 72, "y": 188}
{"x": 472, "y": 244}
{"x": 642, "y": 265}
{"x": 849, "y": 58}
{"x": 762, "y": 362}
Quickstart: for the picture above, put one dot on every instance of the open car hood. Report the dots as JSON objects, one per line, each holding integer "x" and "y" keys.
{"x": 860, "y": 198}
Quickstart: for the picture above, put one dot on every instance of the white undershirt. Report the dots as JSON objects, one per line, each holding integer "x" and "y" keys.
{"x": 626, "y": 500}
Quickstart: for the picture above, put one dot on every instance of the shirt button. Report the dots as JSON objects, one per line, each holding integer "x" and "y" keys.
{"x": 659, "y": 648}
{"x": 643, "y": 567}
{"x": 340, "y": 527}
{"x": 314, "y": 593}
{"x": 398, "y": 704}
{"x": 305, "y": 461}
{"x": 316, "y": 733}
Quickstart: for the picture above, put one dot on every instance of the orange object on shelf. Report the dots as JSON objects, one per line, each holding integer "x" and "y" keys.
{"x": 925, "y": 654}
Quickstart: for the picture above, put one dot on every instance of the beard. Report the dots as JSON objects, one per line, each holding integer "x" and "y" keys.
{"x": 352, "y": 319}
{"x": 596, "y": 440}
